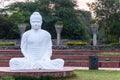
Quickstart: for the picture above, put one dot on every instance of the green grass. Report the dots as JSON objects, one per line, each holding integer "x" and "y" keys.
{"x": 9, "y": 77}
{"x": 108, "y": 54}
{"x": 78, "y": 75}
{"x": 97, "y": 75}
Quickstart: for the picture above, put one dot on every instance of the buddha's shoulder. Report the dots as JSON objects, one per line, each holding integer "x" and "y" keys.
{"x": 27, "y": 32}
{"x": 45, "y": 32}
{"x": 41, "y": 32}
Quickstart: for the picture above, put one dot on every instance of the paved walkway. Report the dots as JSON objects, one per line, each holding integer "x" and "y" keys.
{"x": 87, "y": 68}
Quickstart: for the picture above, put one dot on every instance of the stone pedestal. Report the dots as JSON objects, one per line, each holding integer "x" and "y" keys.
{"x": 22, "y": 28}
{"x": 94, "y": 28}
{"x": 36, "y": 73}
{"x": 58, "y": 30}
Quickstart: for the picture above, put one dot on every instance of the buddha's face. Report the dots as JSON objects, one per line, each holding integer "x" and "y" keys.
{"x": 36, "y": 21}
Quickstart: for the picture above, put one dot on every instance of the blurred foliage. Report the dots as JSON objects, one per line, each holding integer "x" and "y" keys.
{"x": 7, "y": 77}
{"x": 5, "y": 27}
{"x": 76, "y": 43}
{"x": 76, "y": 22}
{"x": 7, "y": 43}
{"x": 107, "y": 13}
{"x": 112, "y": 44}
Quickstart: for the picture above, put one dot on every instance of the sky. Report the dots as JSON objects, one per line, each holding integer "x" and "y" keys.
{"x": 81, "y": 3}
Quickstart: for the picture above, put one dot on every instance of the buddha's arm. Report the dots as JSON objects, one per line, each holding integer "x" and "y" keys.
{"x": 24, "y": 44}
{"x": 48, "y": 48}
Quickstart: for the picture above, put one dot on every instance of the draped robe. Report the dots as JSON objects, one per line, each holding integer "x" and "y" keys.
{"x": 36, "y": 47}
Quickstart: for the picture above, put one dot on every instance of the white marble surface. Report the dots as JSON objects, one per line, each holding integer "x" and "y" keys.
{"x": 36, "y": 46}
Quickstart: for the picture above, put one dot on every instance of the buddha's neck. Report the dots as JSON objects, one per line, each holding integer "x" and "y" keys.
{"x": 35, "y": 30}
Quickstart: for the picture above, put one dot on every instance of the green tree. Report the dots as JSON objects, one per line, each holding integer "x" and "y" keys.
{"x": 17, "y": 18}
{"x": 22, "y": 7}
{"x": 5, "y": 27}
{"x": 115, "y": 26}
{"x": 54, "y": 10}
{"x": 105, "y": 12}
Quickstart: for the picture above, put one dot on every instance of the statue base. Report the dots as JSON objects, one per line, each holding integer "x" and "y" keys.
{"x": 37, "y": 73}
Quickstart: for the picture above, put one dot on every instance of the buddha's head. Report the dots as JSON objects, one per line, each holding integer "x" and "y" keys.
{"x": 36, "y": 21}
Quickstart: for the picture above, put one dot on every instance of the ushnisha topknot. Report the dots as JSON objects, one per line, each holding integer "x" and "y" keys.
{"x": 36, "y": 15}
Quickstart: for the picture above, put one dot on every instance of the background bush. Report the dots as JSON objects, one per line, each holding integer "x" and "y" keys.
{"x": 76, "y": 43}
{"x": 7, "y": 43}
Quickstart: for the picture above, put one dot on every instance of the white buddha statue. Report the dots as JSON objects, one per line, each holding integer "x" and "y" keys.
{"x": 36, "y": 46}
